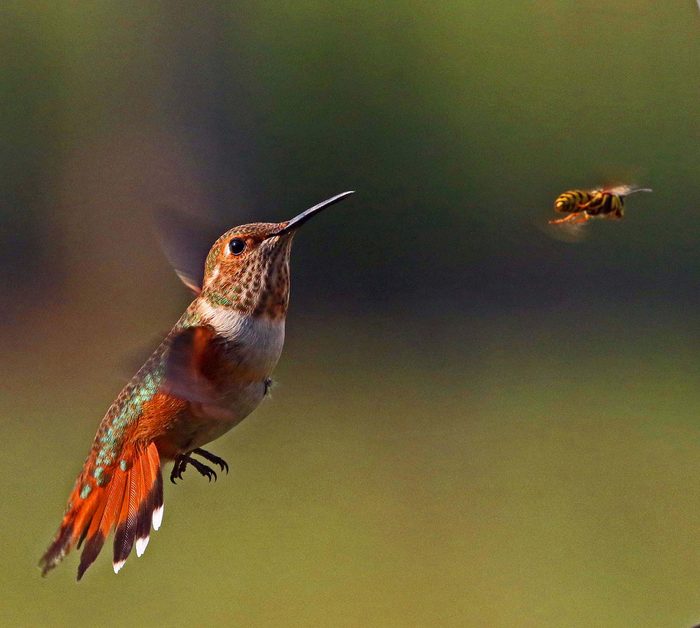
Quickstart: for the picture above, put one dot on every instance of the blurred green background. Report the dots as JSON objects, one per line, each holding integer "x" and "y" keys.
{"x": 474, "y": 424}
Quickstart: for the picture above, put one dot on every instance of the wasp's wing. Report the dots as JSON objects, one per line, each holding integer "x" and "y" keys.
{"x": 624, "y": 190}
{"x": 185, "y": 240}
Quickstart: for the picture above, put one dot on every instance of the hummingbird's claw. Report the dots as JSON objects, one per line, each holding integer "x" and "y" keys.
{"x": 178, "y": 468}
{"x": 203, "y": 469}
{"x": 183, "y": 460}
{"x": 223, "y": 465}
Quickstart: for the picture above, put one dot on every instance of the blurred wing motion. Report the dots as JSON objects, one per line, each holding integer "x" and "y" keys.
{"x": 624, "y": 190}
{"x": 185, "y": 240}
{"x": 197, "y": 355}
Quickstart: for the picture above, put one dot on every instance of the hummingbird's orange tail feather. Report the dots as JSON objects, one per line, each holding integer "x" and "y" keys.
{"x": 130, "y": 501}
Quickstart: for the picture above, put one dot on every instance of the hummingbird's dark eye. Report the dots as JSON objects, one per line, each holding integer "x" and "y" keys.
{"x": 236, "y": 246}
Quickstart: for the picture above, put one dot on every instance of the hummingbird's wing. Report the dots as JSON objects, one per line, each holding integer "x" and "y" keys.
{"x": 185, "y": 240}
{"x": 196, "y": 358}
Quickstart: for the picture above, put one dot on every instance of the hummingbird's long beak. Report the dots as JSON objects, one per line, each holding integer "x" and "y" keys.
{"x": 299, "y": 220}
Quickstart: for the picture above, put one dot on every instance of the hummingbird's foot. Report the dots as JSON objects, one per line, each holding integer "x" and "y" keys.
{"x": 181, "y": 463}
{"x": 207, "y": 455}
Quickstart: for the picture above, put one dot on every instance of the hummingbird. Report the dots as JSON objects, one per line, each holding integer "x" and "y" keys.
{"x": 210, "y": 372}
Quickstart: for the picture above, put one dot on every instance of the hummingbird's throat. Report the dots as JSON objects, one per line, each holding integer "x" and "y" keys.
{"x": 268, "y": 304}
{"x": 260, "y": 288}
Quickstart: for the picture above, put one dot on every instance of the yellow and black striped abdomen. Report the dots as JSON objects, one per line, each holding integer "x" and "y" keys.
{"x": 603, "y": 203}
{"x": 573, "y": 201}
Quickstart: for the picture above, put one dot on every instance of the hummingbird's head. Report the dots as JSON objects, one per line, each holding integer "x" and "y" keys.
{"x": 247, "y": 268}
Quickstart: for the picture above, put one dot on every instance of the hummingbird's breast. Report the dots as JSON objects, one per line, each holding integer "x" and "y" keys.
{"x": 253, "y": 348}
{"x": 255, "y": 341}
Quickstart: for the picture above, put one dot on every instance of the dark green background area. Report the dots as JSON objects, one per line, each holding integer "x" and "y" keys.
{"x": 475, "y": 424}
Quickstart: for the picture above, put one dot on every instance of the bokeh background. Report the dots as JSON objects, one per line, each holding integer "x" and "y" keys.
{"x": 475, "y": 424}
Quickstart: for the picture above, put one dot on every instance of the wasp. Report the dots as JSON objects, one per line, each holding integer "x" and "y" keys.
{"x": 583, "y": 205}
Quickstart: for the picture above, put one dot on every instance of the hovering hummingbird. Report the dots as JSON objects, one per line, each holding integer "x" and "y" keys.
{"x": 210, "y": 372}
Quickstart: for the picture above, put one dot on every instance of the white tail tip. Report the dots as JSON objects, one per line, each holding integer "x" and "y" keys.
{"x": 118, "y": 566}
{"x": 157, "y": 517}
{"x": 141, "y": 545}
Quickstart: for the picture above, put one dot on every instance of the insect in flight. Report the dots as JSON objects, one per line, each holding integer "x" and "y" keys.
{"x": 584, "y": 205}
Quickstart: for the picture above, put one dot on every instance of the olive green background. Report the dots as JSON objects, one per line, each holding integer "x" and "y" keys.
{"x": 474, "y": 423}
